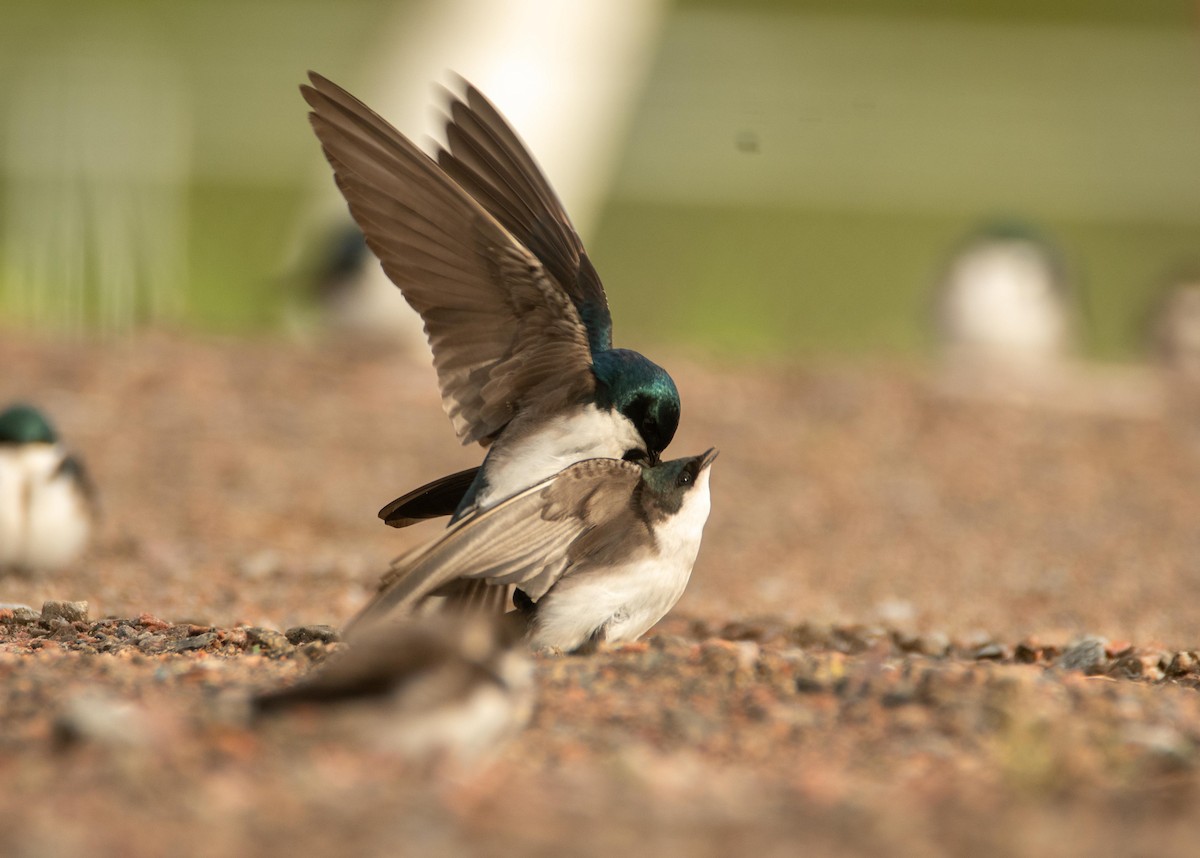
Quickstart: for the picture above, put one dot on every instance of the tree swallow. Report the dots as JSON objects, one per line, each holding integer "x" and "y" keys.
{"x": 452, "y": 688}
{"x": 1175, "y": 328}
{"x": 515, "y": 313}
{"x": 1004, "y": 301}
{"x": 46, "y": 499}
{"x": 598, "y": 552}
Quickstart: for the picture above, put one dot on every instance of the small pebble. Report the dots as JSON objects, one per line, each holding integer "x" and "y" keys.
{"x": 856, "y": 639}
{"x": 1127, "y": 667}
{"x": 72, "y": 612}
{"x": 19, "y": 615}
{"x": 811, "y": 635}
{"x": 193, "y": 643}
{"x": 1025, "y": 653}
{"x": 269, "y": 640}
{"x": 906, "y": 641}
{"x": 61, "y": 630}
{"x": 989, "y": 652}
{"x": 1085, "y": 654}
{"x": 1182, "y": 663}
{"x": 305, "y": 634}
{"x": 935, "y": 645}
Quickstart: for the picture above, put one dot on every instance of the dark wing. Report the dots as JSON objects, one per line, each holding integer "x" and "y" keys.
{"x": 487, "y": 158}
{"x": 526, "y": 540}
{"x": 504, "y": 336}
{"x": 432, "y": 500}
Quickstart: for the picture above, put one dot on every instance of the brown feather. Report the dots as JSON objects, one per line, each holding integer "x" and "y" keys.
{"x": 527, "y": 541}
{"x": 505, "y": 336}
{"x": 486, "y": 157}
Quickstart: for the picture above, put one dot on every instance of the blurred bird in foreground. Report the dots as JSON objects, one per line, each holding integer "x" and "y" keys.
{"x": 1003, "y": 304}
{"x": 516, "y": 316}
{"x": 599, "y": 552}
{"x": 446, "y": 690}
{"x": 46, "y": 500}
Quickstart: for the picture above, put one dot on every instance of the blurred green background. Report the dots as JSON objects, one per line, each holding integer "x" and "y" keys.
{"x": 793, "y": 176}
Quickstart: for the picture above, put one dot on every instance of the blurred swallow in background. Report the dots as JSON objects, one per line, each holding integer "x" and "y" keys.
{"x": 452, "y": 689}
{"x": 46, "y": 499}
{"x": 599, "y": 552}
{"x": 515, "y": 313}
{"x": 1175, "y": 327}
{"x": 1004, "y": 302}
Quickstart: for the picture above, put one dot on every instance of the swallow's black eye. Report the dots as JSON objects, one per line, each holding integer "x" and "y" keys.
{"x": 686, "y": 476}
{"x": 641, "y": 457}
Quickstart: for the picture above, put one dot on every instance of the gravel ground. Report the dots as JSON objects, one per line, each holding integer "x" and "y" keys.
{"x": 921, "y": 623}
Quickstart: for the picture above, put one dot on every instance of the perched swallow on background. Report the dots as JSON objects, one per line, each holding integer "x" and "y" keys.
{"x": 455, "y": 687}
{"x": 1175, "y": 327}
{"x": 515, "y": 313}
{"x": 598, "y": 552}
{"x": 46, "y": 499}
{"x": 1005, "y": 300}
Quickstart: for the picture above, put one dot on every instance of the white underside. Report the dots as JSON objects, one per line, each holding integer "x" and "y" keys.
{"x": 589, "y": 433}
{"x": 44, "y": 519}
{"x": 1002, "y": 302}
{"x": 626, "y": 600}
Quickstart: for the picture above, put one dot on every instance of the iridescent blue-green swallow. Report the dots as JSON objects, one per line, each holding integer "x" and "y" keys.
{"x": 515, "y": 313}
{"x": 598, "y": 552}
{"x": 46, "y": 499}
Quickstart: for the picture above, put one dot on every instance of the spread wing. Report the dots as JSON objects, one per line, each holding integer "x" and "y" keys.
{"x": 504, "y": 335}
{"x": 529, "y": 540}
{"x": 488, "y": 159}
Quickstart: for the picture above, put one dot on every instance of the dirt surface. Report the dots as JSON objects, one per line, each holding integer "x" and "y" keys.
{"x": 920, "y": 624}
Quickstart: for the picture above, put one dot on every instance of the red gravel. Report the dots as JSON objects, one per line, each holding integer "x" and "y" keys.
{"x": 868, "y": 660}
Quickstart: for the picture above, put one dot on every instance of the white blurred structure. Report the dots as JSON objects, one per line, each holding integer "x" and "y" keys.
{"x": 565, "y": 74}
{"x": 1176, "y": 329}
{"x": 1003, "y": 305}
{"x": 45, "y": 498}
{"x": 1007, "y": 323}
{"x": 96, "y": 159}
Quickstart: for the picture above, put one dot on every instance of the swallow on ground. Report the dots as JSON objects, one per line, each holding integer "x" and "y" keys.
{"x": 46, "y": 499}
{"x": 353, "y": 296}
{"x": 1004, "y": 300}
{"x": 1175, "y": 327}
{"x": 456, "y": 687}
{"x": 515, "y": 313}
{"x": 599, "y": 552}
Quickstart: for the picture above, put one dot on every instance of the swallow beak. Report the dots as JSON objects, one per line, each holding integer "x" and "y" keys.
{"x": 707, "y": 457}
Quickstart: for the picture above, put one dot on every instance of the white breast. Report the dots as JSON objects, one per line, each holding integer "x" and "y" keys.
{"x": 626, "y": 600}
{"x": 588, "y": 433}
{"x": 44, "y": 520}
{"x": 1003, "y": 300}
